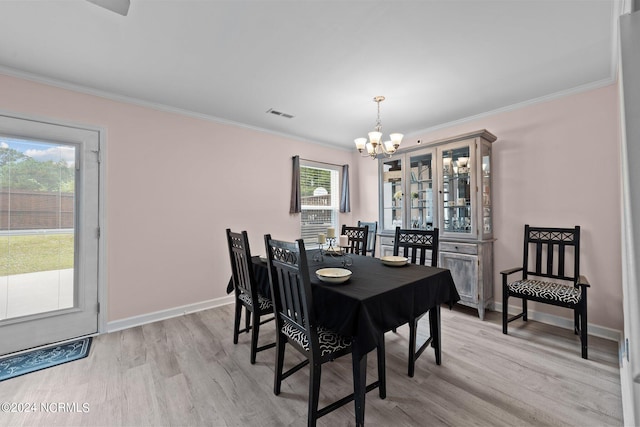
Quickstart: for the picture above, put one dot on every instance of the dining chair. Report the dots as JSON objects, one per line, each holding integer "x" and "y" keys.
{"x": 371, "y": 239}
{"x": 296, "y": 324}
{"x": 420, "y": 247}
{"x": 358, "y": 237}
{"x": 246, "y": 292}
{"x": 551, "y": 275}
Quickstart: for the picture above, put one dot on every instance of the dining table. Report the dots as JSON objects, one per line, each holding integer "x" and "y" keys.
{"x": 375, "y": 299}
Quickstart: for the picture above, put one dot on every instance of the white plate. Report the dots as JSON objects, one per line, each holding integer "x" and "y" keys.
{"x": 394, "y": 261}
{"x": 333, "y": 275}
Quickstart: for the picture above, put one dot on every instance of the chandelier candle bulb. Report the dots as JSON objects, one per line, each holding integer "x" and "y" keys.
{"x": 388, "y": 145}
{"x": 374, "y": 137}
{"x": 331, "y": 232}
{"x": 396, "y": 139}
{"x": 344, "y": 241}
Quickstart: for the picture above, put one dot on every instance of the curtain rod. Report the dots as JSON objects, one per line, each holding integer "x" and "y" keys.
{"x": 322, "y": 163}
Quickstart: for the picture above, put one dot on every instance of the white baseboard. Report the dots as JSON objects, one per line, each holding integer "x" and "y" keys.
{"x": 142, "y": 319}
{"x": 563, "y": 322}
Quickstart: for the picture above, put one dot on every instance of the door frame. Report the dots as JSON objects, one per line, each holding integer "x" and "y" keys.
{"x": 102, "y": 203}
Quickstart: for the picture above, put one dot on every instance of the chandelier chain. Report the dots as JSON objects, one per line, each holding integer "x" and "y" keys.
{"x": 378, "y": 126}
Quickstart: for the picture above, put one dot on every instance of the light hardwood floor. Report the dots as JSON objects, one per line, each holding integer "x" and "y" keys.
{"x": 186, "y": 371}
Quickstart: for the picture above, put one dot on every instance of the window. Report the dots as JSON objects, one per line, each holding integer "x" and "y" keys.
{"x": 320, "y": 199}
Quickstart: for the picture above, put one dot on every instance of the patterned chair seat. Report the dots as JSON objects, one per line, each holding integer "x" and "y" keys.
{"x": 330, "y": 341}
{"x": 263, "y": 302}
{"x": 546, "y": 290}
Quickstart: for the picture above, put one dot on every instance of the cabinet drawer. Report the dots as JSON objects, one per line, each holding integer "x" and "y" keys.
{"x": 387, "y": 240}
{"x": 461, "y": 248}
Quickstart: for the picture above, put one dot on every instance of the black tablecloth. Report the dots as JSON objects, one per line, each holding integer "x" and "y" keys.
{"x": 376, "y": 299}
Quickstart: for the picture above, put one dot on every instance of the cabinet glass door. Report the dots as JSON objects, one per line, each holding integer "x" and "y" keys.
{"x": 420, "y": 197}
{"x": 486, "y": 189}
{"x": 392, "y": 194}
{"x": 456, "y": 190}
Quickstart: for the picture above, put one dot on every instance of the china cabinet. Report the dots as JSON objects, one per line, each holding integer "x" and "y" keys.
{"x": 445, "y": 184}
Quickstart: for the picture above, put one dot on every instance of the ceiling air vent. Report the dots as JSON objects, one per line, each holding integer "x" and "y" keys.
{"x": 279, "y": 113}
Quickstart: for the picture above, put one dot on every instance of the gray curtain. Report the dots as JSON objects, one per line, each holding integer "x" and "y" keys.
{"x": 345, "y": 202}
{"x": 296, "y": 204}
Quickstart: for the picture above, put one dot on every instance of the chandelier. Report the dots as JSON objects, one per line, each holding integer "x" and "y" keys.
{"x": 374, "y": 147}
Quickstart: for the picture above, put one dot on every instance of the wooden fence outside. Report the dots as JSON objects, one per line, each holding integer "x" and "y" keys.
{"x": 31, "y": 210}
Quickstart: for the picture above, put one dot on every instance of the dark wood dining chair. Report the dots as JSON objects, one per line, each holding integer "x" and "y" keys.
{"x": 246, "y": 292}
{"x": 296, "y": 324}
{"x": 358, "y": 237}
{"x": 371, "y": 239}
{"x": 420, "y": 247}
{"x": 551, "y": 276}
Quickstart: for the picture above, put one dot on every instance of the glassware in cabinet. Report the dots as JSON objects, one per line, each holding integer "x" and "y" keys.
{"x": 456, "y": 190}
{"x": 392, "y": 194}
{"x": 487, "y": 224}
{"x": 421, "y": 209}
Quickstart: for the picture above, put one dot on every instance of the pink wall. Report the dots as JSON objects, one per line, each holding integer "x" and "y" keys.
{"x": 174, "y": 184}
{"x": 555, "y": 164}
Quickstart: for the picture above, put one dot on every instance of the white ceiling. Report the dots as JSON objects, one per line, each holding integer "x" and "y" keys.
{"x": 321, "y": 61}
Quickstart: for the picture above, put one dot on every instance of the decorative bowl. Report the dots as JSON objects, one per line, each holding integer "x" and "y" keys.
{"x": 333, "y": 275}
{"x": 394, "y": 261}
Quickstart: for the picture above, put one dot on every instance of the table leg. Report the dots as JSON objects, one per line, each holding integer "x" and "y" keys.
{"x": 382, "y": 376}
{"x": 434, "y": 323}
{"x": 359, "y": 382}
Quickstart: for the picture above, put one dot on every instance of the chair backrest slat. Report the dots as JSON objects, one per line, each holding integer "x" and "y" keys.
{"x": 561, "y": 259}
{"x": 358, "y": 237}
{"x": 286, "y": 294}
{"x": 549, "y": 265}
{"x": 291, "y": 287}
{"x": 241, "y": 264}
{"x": 551, "y": 246}
{"x": 298, "y": 294}
{"x": 416, "y": 243}
{"x": 371, "y": 240}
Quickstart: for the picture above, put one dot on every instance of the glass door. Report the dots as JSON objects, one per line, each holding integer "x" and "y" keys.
{"x": 421, "y": 186}
{"x": 392, "y": 194}
{"x": 49, "y": 231}
{"x": 487, "y": 226}
{"x": 457, "y": 164}
{"x": 37, "y": 239}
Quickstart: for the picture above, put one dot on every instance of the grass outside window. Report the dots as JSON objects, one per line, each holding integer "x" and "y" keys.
{"x": 32, "y": 253}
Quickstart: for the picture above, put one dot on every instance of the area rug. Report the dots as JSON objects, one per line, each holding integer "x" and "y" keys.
{"x": 43, "y": 358}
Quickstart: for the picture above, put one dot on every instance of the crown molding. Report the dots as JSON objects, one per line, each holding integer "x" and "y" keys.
{"x": 36, "y": 78}
{"x": 556, "y": 95}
